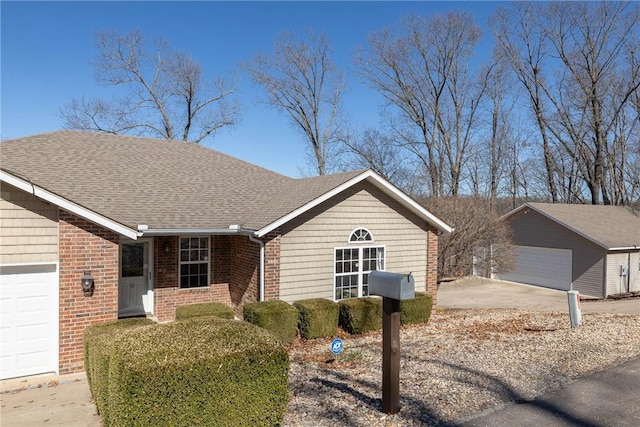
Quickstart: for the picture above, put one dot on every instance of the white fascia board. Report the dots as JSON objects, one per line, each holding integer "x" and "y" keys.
{"x": 381, "y": 182}
{"x": 68, "y": 205}
{"x": 412, "y": 204}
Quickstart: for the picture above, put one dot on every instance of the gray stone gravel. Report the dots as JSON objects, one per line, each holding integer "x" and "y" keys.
{"x": 461, "y": 363}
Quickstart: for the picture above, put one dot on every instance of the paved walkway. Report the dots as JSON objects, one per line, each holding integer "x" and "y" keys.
{"x": 49, "y": 400}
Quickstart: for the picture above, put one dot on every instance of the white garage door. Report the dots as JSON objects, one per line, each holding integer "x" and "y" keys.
{"x": 546, "y": 267}
{"x": 29, "y": 314}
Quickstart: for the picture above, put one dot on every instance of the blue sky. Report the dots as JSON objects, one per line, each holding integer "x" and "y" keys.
{"x": 47, "y": 49}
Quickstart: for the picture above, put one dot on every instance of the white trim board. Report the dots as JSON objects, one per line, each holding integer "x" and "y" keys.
{"x": 67, "y": 205}
{"x": 377, "y": 180}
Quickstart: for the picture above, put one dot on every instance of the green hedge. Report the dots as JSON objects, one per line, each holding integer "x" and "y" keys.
{"x": 417, "y": 310}
{"x": 317, "y": 318}
{"x": 361, "y": 315}
{"x": 96, "y": 342}
{"x": 215, "y": 309}
{"x": 278, "y": 317}
{"x": 200, "y": 371}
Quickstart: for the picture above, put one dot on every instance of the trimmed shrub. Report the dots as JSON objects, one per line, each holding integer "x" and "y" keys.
{"x": 416, "y": 310}
{"x": 277, "y": 317}
{"x": 317, "y": 318}
{"x": 200, "y": 371}
{"x": 215, "y": 309}
{"x": 96, "y": 342}
{"x": 361, "y": 315}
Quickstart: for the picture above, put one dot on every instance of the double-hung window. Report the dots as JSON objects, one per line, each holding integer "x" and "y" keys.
{"x": 194, "y": 262}
{"x": 353, "y": 264}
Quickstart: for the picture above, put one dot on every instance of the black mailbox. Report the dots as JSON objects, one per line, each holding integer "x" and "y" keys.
{"x": 392, "y": 285}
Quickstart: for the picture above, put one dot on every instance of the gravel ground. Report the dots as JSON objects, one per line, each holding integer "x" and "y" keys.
{"x": 463, "y": 362}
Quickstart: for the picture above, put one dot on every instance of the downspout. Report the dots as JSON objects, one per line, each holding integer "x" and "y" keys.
{"x": 629, "y": 269}
{"x": 261, "y": 243}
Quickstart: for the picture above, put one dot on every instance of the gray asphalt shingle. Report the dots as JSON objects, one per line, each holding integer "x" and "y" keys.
{"x": 610, "y": 226}
{"x": 163, "y": 184}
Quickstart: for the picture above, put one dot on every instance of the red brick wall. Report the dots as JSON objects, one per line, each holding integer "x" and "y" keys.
{"x": 272, "y": 265}
{"x": 432, "y": 263}
{"x": 84, "y": 246}
{"x": 167, "y": 293}
{"x": 245, "y": 272}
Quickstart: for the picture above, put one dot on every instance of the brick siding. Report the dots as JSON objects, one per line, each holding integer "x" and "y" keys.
{"x": 84, "y": 246}
{"x": 272, "y": 265}
{"x": 245, "y": 272}
{"x": 167, "y": 293}
{"x": 432, "y": 264}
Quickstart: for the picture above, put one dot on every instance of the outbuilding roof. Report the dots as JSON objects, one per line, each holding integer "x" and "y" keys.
{"x": 612, "y": 227}
{"x": 169, "y": 187}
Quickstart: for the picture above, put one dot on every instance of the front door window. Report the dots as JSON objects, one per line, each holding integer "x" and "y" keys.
{"x": 134, "y": 290}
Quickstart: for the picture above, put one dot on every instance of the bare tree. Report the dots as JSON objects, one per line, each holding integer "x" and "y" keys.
{"x": 301, "y": 79}
{"x": 476, "y": 226}
{"x": 523, "y": 46}
{"x": 423, "y": 72}
{"x": 572, "y": 60}
{"x": 492, "y": 157}
{"x": 164, "y": 94}
{"x": 375, "y": 150}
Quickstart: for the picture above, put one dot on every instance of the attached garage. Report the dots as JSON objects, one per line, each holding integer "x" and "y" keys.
{"x": 546, "y": 267}
{"x": 29, "y": 331}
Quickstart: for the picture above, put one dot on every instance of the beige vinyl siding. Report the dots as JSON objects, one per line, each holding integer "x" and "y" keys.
{"x": 616, "y": 283}
{"x": 308, "y": 243}
{"x": 28, "y": 228}
{"x": 635, "y": 272}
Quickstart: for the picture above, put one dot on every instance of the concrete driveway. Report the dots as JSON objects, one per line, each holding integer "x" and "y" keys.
{"x": 478, "y": 292}
{"x": 49, "y": 400}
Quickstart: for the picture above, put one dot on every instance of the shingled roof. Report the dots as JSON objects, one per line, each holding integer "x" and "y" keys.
{"x": 165, "y": 185}
{"x": 612, "y": 227}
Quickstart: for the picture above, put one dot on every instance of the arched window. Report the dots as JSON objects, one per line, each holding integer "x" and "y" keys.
{"x": 360, "y": 235}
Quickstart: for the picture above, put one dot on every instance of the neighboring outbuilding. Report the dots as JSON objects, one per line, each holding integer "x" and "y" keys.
{"x": 593, "y": 249}
{"x": 156, "y": 224}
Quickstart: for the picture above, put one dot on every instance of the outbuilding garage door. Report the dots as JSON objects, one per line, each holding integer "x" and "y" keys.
{"x": 546, "y": 267}
{"x": 29, "y": 330}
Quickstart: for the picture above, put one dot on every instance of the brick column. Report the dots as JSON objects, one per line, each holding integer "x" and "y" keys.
{"x": 272, "y": 265}
{"x": 84, "y": 246}
{"x": 432, "y": 263}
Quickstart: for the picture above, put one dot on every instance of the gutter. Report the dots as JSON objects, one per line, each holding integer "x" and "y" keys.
{"x": 627, "y": 248}
{"x": 145, "y": 231}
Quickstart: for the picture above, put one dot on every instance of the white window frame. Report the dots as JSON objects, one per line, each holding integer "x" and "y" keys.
{"x": 360, "y": 241}
{"x": 360, "y": 273}
{"x": 181, "y": 263}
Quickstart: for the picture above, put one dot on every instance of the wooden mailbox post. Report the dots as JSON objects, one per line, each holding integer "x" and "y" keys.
{"x": 393, "y": 288}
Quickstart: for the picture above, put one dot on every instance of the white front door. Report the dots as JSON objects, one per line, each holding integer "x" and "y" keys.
{"x": 135, "y": 285}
